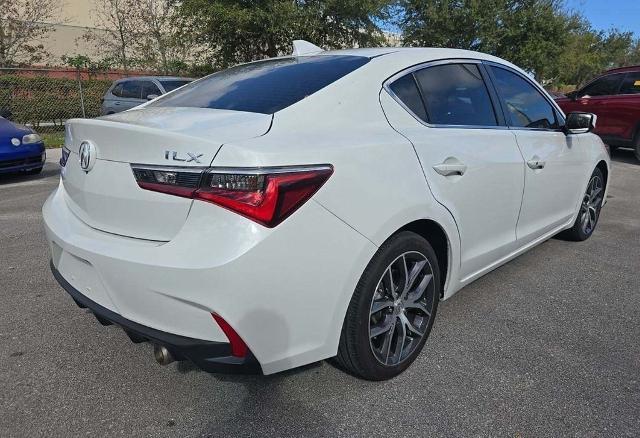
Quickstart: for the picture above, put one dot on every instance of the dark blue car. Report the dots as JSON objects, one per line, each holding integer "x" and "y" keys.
{"x": 21, "y": 149}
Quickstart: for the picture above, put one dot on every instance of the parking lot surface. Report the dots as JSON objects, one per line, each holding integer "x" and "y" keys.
{"x": 547, "y": 345}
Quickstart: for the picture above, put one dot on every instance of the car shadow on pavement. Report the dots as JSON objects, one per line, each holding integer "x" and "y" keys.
{"x": 624, "y": 156}
{"x": 276, "y": 404}
{"x": 50, "y": 169}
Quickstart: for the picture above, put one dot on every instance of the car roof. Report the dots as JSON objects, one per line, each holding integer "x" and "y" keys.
{"x": 423, "y": 52}
{"x": 623, "y": 69}
{"x": 391, "y": 60}
{"x": 158, "y": 78}
{"x": 415, "y": 54}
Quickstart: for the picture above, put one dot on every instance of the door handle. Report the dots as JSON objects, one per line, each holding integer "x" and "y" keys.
{"x": 449, "y": 168}
{"x": 535, "y": 163}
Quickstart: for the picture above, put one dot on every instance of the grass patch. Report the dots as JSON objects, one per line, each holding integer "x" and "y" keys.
{"x": 53, "y": 139}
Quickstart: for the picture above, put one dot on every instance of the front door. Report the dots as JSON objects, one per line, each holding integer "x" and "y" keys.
{"x": 554, "y": 161}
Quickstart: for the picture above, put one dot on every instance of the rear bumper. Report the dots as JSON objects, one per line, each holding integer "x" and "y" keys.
{"x": 210, "y": 356}
{"x": 283, "y": 290}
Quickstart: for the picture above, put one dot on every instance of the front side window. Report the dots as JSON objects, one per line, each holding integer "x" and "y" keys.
{"x": 525, "y": 105}
{"x": 117, "y": 90}
{"x": 264, "y": 86}
{"x": 605, "y": 86}
{"x": 455, "y": 94}
{"x": 631, "y": 83}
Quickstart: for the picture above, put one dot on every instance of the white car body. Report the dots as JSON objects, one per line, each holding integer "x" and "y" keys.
{"x": 168, "y": 262}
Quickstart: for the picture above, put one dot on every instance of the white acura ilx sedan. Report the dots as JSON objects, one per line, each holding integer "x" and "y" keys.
{"x": 316, "y": 206}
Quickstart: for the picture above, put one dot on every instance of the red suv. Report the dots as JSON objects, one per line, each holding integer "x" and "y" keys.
{"x": 615, "y": 98}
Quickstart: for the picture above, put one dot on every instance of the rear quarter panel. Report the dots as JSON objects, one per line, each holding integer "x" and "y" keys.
{"x": 378, "y": 185}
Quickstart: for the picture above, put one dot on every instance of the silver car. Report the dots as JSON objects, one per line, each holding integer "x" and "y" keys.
{"x": 127, "y": 93}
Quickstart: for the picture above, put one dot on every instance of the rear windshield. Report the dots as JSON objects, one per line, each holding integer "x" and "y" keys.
{"x": 172, "y": 84}
{"x": 265, "y": 86}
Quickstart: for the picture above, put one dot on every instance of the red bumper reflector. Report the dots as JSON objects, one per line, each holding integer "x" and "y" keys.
{"x": 238, "y": 347}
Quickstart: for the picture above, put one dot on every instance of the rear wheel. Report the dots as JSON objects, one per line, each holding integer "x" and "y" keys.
{"x": 392, "y": 309}
{"x": 589, "y": 213}
{"x": 636, "y": 148}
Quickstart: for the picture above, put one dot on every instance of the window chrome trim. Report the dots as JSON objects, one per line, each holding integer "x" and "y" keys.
{"x": 386, "y": 85}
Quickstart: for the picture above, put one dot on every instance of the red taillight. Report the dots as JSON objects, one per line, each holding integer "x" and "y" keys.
{"x": 266, "y": 195}
{"x": 238, "y": 347}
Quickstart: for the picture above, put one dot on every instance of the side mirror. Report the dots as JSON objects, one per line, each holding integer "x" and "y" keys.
{"x": 151, "y": 96}
{"x": 580, "y": 123}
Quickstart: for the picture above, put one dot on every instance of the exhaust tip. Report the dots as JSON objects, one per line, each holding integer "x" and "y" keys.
{"x": 162, "y": 354}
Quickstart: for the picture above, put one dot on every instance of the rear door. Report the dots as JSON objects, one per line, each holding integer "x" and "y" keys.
{"x": 623, "y": 109}
{"x": 150, "y": 90}
{"x": 554, "y": 161}
{"x": 472, "y": 163}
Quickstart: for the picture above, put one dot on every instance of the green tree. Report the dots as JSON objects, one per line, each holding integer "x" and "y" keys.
{"x": 232, "y": 31}
{"x": 587, "y": 53}
{"x": 119, "y": 31}
{"x": 526, "y": 32}
{"x": 159, "y": 42}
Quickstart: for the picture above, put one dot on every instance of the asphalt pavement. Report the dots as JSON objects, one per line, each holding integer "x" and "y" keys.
{"x": 546, "y": 345}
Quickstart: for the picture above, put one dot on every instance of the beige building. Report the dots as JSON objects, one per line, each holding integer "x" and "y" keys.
{"x": 66, "y": 37}
{"x": 77, "y": 18}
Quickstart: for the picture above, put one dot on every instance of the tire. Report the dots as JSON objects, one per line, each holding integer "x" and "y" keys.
{"x": 636, "y": 148}
{"x": 589, "y": 213}
{"x": 409, "y": 313}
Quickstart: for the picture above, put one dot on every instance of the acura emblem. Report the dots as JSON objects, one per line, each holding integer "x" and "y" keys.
{"x": 87, "y": 155}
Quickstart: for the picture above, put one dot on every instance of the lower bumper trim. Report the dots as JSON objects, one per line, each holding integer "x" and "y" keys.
{"x": 210, "y": 356}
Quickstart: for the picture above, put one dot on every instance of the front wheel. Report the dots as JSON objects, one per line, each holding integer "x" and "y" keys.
{"x": 590, "y": 208}
{"x": 392, "y": 309}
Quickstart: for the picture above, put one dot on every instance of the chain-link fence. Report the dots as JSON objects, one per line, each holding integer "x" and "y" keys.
{"x": 45, "y": 98}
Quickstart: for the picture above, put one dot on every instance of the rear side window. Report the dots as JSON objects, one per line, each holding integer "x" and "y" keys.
{"x": 605, "y": 86}
{"x": 264, "y": 86}
{"x": 132, "y": 89}
{"x": 631, "y": 83}
{"x": 406, "y": 90}
{"x": 526, "y": 107}
{"x": 455, "y": 94}
{"x": 148, "y": 88}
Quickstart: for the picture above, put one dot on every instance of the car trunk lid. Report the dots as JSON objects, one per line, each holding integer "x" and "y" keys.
{"x": 107, "y": 196}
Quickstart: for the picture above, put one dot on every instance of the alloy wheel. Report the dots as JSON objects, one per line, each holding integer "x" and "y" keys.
{"x": 591, "y": 203}
{"x": 401, "y": 308}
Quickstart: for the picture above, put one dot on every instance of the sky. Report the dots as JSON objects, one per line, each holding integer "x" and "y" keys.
{"x": 606, "y": 14}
